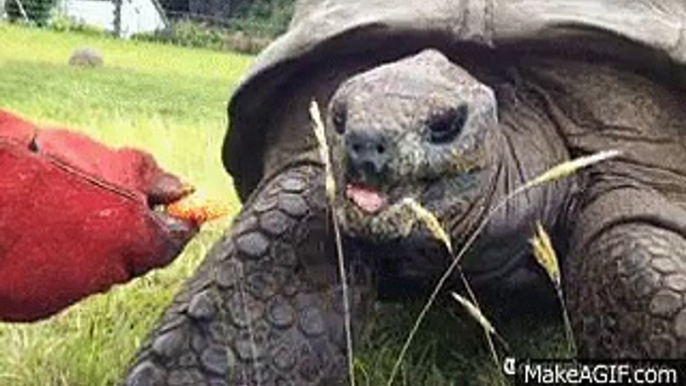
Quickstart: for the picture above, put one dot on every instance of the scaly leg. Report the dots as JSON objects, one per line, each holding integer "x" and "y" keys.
{"x": 265, "y": 307}
{"x": 626, "y": 275}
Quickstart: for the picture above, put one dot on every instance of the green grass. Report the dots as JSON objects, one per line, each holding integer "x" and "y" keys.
{"x": 167, "y": 100}
{"x": 171, "y": 101}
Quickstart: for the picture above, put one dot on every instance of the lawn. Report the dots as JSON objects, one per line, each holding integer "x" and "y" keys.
{"x": 171, "y": 101}
{"x": 167, "y": 100}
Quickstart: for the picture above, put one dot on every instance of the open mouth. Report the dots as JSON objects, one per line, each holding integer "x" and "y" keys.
{"x": 366, "y": 198}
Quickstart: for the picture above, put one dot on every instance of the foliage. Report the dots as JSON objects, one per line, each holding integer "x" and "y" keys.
{"x": 62, "y": 23}
{"x": 240, "y": 25}
{"x": 254, "y": 17}
{"x": 185, "y": 33}
{"x": 245, "y": 26}
{"x": 202, "y": 35}
{"x": 38, "y": 11}
{"x": 274, "y": 13}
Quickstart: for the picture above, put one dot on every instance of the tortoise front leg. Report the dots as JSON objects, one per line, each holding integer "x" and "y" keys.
{"x": 264, "y": 308}
{"x": 626, "y": 276}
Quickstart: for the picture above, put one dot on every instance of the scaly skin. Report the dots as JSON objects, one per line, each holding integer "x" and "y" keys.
{"x": 624, "y": 274}
{"x": 450, "y": 147}
{"x": 264, "y": 308}
{"x": 277, "y": 260}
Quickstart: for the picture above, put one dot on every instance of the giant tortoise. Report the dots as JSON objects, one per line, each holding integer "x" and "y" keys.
{"x": 454, "y": 103}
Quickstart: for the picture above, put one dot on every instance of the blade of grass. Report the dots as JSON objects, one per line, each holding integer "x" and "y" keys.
{"x": 330, "y": 187}
{"x": 475, "y": 312}
{"x": 568, "y": 168}
{"x": 545, "y": 254}
{"x": 430, "y": 221}
{"x": 438, "y": 231}
{"x": 546, "y": 258}
{"x": 434, "y": 226}
{"x": 553, "y": 174}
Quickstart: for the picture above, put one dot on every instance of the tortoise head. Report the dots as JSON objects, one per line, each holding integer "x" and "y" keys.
{"x": 416, "y": 128}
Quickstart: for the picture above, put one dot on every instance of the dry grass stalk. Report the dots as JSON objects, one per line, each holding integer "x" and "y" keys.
{"x": 545, "y": 254}
{"x": 553, "y": 174}
{"x": 475, "y": 312}
{"x": 423, "y": 215}
{"x": 547, "y": 258}
{"x": 429, "y": 220}
{"x": 570, "y": 167}
{"x": 320, "y": 134}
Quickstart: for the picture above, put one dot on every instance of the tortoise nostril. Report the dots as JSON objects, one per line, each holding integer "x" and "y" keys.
{"x": 367, "y": 153}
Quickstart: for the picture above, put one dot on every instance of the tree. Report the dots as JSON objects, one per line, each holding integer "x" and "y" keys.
{"x": 37, "y": 11}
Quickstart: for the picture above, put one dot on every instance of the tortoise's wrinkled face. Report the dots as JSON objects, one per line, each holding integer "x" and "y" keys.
{"x": 416, "y": 129}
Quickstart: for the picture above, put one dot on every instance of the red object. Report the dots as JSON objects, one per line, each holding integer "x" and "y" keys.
{"x": 76, "y": 218}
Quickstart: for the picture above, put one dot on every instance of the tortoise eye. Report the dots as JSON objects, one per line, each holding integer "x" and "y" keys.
{"x": 445, "y": 127}
{"x": 339, "y": 118}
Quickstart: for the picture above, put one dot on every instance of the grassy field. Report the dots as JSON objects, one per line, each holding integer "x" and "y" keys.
{"x": 167, "y": 100}
{"x": 171, "y": 101}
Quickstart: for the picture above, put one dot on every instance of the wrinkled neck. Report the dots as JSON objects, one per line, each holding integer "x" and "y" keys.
{"x": 523, "y": 146}
{"x": 524, "y": 157}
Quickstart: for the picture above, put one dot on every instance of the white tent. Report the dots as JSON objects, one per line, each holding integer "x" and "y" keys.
{"x": 136, "y": 15}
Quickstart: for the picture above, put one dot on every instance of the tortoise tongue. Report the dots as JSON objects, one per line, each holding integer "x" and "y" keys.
{"x": 367, "y": 199}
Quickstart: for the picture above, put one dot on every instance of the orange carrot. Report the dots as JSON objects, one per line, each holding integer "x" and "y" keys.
{"x": 198, "y": 208}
